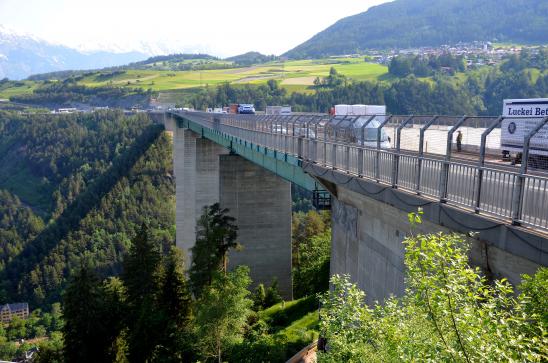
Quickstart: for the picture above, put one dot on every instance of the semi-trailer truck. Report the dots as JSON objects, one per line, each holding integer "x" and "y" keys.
{"x": 369, "y": 135}
{"x": 520, "y": 117}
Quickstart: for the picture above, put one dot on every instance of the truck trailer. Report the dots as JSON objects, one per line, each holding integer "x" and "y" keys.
{"x": 365, "y": 130}
{"x": 520, "y": 117}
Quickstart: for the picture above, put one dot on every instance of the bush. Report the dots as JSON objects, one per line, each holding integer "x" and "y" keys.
{"x": 449, "y": 312}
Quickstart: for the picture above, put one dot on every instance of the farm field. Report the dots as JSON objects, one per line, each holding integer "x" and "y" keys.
{"x": 293, "y": 75}
{"x": 22, "y": 87}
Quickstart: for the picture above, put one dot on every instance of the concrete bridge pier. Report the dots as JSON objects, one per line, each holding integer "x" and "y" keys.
{"x": 196, "y": 168}
{"x": 261, "y": 203}
{"x": 367, "y": 237}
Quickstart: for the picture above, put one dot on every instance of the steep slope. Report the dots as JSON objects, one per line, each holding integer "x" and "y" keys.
{"x": 102, "y": 175}
{"x": 411, "y": 23}
{"x": 23, "y": 55}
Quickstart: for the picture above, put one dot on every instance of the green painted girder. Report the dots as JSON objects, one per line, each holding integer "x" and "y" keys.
{"x": 284, "y": 165}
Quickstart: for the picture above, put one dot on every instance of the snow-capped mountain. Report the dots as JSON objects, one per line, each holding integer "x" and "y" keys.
{"x": 22, "y": 55}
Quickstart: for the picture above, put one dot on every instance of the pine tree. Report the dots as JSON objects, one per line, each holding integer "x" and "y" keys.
{"x": 88, "y": 336}
{"x": 141, "y": 278}
{"x": 175, "y": 303}
{"x": 216, "y": 234}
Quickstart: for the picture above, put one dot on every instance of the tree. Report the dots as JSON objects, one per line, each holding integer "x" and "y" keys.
{"x": 449, "y": 312}
{"x": 272, "y": 295}
{"x": 141, "y": 278}
{"x": 222, "y": 311}
{"x": 311, "y": 238}
{"x": 88, "y": 336}
{"x": 259, "y": 297}
{"x": 175, "y": 303}
{"x": 216, "y": 234}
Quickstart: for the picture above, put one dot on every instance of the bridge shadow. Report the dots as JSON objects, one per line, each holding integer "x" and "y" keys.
{"x": 16, "y": 275}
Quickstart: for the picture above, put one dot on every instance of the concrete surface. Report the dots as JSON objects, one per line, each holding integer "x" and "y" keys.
{"x": 370, "y": 222}
{"x": 261, "y": 203}
{"x": 196, "y": 168}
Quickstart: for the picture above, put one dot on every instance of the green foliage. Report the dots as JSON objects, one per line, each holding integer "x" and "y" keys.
{"x": 39, "y": 328}
{"x": 404, "y": 24}
{"x": 335, "y": 79}
{"x": 90, "y": 326}
{"x": 527, "y": 59}
{"x": 216, "y": 233}
{"x": 534, "y": 291}
{"x": 222, "y": 312}
{"x": 449, "y": 313}
{"x": 141, "y": 277}
{"x": 145, "y": 316}
{"x": 278, "y": 332}
{"x": 99, "y": 166}
{"x": 250, "y": 58}
{"x": 68, "y": 92}
{"x": 51, "y": 351}
{"x": 259, "y": 297}
{"x": 264, "y": 298}
{"x": 311, "y": 252}
{"x": 402, "y": 66}
{"x": 175, "y": 303}
{"x": 279, "y": 316}
{"x": 472, "y": 93}
{"x": 272, "y": 295}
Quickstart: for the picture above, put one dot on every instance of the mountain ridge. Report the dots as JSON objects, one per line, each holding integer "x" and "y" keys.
{"x": 414, "y": 23}
{"x": 22, "y": 55}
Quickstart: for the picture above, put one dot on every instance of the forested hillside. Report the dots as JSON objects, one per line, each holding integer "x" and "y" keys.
{"x": 414, "y": 23}
{"x": 70, "y": 94}
{"x": 76, "y": 188}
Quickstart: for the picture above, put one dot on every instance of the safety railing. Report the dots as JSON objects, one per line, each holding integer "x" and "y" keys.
{"x": 497, "y": 190}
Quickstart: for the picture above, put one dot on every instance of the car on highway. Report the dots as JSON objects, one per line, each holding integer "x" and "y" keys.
{"x": 246, "y": 108}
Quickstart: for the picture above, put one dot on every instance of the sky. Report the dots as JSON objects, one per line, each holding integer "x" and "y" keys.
{"x": 221, "y": 28}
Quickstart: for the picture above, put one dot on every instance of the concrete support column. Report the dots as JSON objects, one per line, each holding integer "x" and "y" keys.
{"x": 261, "y": 203}
{"x": 196, "y": 167}
{"x": 184, "y": 166}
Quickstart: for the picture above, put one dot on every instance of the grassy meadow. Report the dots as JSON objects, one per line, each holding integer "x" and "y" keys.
{"x": 294, "y": 75}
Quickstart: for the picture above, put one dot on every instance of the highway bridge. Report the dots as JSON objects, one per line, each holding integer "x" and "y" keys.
{"x": 374, "y": 177}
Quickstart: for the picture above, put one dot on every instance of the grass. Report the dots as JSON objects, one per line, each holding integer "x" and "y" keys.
{"x": 283, "y": 315}
{"x": 23, "y": 87}
{"x": 294, "y": 324}
{"x": 294, "y": 75}
{"x": 305, "y": 327}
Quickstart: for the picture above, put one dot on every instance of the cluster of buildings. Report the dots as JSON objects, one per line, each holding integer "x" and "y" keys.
{"x": 8, "y": 312}
{"x": 476, "y": 54}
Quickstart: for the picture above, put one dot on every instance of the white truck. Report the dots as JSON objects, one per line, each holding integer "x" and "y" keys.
{"x": 367, "y": 137}
{"x": 359, "y": 110}
{"x": 278, "y": 110}
{"x": 520, "y": 117}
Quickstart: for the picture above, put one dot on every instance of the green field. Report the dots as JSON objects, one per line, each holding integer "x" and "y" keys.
{"x": 23, "y": 87}
{"x": 293, "y": 75}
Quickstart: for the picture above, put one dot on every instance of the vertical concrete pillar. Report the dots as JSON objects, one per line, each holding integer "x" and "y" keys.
{"x": 184, "y": 165}
{"x": 196, "y": 167}
{"x": 261, "y": 203}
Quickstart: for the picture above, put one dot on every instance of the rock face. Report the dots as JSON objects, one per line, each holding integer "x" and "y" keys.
{"x": 23, "y": 55}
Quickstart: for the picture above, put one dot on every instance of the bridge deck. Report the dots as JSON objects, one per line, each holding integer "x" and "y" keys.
{"x": 496, "y": 189}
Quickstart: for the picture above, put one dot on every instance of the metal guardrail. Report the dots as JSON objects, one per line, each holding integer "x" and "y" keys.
{"x": 501, "y": 191}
